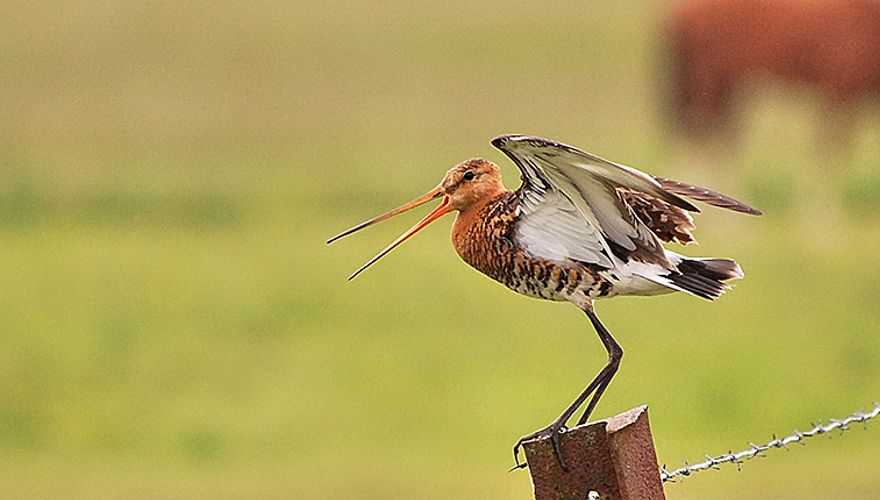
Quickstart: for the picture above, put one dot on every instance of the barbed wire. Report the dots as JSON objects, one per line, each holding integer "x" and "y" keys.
{"x": 758, "y": 450}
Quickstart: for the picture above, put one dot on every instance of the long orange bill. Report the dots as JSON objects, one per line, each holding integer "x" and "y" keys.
{"x": 441, "y": 210}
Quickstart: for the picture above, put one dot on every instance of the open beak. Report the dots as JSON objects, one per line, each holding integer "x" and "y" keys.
{"x": 441, "y": 210}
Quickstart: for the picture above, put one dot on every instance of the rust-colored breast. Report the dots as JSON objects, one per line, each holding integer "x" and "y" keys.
{"x": 482, "y": 237}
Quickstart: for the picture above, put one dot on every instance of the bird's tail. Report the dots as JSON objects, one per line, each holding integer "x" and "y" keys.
{"x": 703, "y": 277}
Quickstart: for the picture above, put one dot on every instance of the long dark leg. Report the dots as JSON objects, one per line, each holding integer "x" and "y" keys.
{"x": 597, "y": 386}
{"x": 615, "y": 353}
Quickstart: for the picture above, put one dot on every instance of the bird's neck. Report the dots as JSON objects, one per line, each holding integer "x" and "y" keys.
{"x": 478, "y": 225}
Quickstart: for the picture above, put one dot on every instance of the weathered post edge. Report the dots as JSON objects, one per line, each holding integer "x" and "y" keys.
{"x": 614, "y": 458}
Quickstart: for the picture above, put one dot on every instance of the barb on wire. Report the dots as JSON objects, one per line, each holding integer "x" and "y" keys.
{"x": 756, "y": 450}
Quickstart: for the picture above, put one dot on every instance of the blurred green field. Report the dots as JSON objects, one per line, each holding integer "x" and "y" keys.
{"x": 173, "y": 325}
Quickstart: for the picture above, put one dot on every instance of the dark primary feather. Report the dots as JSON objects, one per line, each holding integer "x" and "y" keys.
{"x": 705, "y": 195}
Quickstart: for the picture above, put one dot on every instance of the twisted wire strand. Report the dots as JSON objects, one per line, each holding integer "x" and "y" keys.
{"x": 756, "y": 450}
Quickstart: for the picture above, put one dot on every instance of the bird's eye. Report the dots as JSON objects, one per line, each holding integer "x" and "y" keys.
{"x": 469, "y": 176}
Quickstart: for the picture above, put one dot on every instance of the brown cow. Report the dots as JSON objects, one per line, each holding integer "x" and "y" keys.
{"x": 719, "y": 46}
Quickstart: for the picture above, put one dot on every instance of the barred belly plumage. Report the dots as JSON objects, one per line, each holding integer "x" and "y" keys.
{"x": 559, "y": 282}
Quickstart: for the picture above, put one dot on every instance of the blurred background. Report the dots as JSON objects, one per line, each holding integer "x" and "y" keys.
{"x": 174, "y": 326}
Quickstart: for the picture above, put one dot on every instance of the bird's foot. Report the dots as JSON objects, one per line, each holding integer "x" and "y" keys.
{"x": 553, "y": 432}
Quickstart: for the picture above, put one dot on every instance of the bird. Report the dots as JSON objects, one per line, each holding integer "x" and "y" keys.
{"x": 579, "y": 228}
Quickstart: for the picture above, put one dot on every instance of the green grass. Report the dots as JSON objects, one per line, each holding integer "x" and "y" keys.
{"x": 174, "y": 325}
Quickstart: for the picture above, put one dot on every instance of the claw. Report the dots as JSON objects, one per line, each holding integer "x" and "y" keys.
{"x": 553, "y": 431}
{"x": 554, "y": 438}
{"x": 519, "y": 465}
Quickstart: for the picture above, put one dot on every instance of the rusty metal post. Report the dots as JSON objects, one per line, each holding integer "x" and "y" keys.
{"x": 609, "y": 460}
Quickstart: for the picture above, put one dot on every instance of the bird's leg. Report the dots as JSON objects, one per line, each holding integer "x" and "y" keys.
{"x": 615, "y": 353}
{"x": 598, "y": 385}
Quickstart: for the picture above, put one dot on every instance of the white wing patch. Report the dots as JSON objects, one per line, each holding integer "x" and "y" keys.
{"x": 550, "y": 227}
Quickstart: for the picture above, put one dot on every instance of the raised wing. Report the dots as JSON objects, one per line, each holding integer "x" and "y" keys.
{"x": 561, "y": 179}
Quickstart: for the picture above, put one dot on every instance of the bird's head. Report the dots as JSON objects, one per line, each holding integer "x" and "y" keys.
{"x": 470, "y": 182}
{"x": 463, "y": 187}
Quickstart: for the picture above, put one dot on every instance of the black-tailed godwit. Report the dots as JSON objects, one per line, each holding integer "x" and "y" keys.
{"x": 579, "y": 228}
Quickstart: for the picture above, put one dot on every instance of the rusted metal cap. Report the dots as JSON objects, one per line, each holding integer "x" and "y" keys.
{"x": 609, "y": 460}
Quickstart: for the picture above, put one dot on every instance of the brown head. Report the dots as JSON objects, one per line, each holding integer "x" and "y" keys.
{"x": 471, "y": 182}
{"x": 464, "y": 187}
